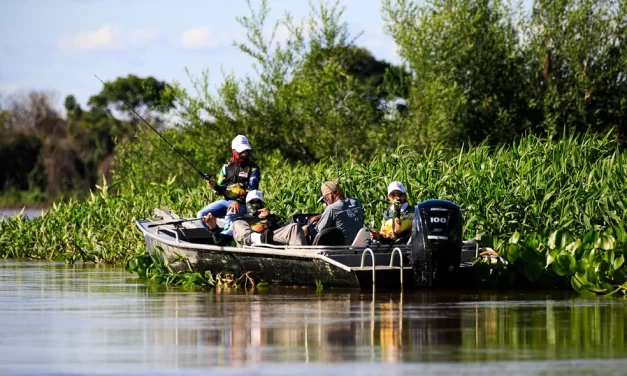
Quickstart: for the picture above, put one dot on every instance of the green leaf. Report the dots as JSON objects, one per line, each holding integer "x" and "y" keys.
{"x": 514, "y": 253}
{"x": 618, "y": 262}
{"x": 553, "y": 239}
{"x": 581, "y": 267}
{"x": 515, "y": 238}
{"x": 564, "y": 264}
{"x": 263, "y": 285}
{"x": 605, "y": 242}
{"x": 550, "y": 257}
{"x": 592, "y": 276}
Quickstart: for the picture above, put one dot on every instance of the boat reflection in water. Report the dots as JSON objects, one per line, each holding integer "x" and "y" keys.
{"x": 85, "y": 319}
{"x": 295, "y": 326}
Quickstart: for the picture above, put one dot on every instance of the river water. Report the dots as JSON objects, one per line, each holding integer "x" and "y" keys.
{"x": 28, "y": 213}
{"x": 85, "y": 319}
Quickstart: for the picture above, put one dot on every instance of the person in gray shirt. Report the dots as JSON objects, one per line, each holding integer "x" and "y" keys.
{"x": 344, "y": 213}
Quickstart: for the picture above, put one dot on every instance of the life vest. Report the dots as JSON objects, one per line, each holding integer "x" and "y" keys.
{"x": 402, "y": 221}
{"x": 237, "y": 179}
{"x": 260, "y": 224}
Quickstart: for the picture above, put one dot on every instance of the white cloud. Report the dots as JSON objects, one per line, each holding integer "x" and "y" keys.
{"x": 140, "y": 36}
{"x": 203, "y": 37}
{"x": 105, "y": 37}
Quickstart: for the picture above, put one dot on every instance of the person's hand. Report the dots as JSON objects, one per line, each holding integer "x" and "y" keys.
{"x": 313, "y": 220}
{"x": 210, "y": 183}
{"x": 263, "y": 212}
{"x": 375, "y": 234}
{"x": 210, "y": 221}
{"x": 234, "y": 207}
{"x": 306, "y": 229}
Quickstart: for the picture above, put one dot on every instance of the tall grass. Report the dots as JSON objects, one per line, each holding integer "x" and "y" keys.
{"x": 532, "y": 186}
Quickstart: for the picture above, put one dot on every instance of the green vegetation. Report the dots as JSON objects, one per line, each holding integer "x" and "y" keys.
{"x": 591, "y": 264}
{"x": 54, "y": 158}
{"x": 533, "y": 186}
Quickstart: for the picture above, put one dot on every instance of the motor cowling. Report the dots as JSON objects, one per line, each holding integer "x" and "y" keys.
{"x": 436, "y": 242}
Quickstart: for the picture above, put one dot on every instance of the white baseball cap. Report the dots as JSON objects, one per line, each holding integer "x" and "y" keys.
{"x": 396, "y": 186}
{"x": 254, "y": 194}
{"x": 240, "y": 143}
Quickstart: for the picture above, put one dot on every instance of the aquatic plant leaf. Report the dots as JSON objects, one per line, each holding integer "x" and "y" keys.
{"x": 514, "y": 238}
{"x": 550, "y": 257}
{"x": 514, "y": 251}
{"x": 605, "y": 242}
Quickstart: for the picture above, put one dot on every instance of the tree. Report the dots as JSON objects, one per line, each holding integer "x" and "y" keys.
{"x": 578, "y": 55}
{"x": 140, "y": 93}
{"x": 469, "y": 82}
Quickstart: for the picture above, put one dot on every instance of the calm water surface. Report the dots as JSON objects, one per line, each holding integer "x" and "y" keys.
{"x": 28, "y": 213}
{"x": 85, "y": 319}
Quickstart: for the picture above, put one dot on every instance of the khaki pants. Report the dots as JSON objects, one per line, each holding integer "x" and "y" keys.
{"x": 287, "y": 235}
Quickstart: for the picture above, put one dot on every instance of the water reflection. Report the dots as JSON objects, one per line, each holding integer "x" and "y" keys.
{"x": 81, "y": 317}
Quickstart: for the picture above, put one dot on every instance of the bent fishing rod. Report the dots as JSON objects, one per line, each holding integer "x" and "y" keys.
{"x": 204, "y": 175}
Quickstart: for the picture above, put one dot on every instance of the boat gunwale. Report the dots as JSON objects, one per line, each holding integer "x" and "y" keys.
{"x": 313, "y": 252}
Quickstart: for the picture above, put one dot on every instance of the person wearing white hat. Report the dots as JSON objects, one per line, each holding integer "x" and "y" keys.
{"x": 398, "y": 217}
{"x": 237, "y": 177}
{"x": 260, "y": 226}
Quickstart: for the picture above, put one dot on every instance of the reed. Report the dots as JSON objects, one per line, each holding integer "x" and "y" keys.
{"x": 531, "y": 188}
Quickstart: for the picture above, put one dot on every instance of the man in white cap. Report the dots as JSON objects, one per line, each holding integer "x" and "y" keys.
{"x": 398, "y": 217}
{"x": 341, "y": 212}
{"x": 236, "y": 178}
{"x": 259, "y": 226}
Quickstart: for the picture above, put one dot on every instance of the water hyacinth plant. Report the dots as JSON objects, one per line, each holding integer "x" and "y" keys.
{"x": 592, "y": 264}
{"x": 521, "y": 191}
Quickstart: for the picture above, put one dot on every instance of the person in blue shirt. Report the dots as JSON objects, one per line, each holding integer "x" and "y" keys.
{"x": 239, "y": 176}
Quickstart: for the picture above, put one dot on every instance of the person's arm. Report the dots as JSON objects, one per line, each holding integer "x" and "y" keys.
{"x": 326, "y": 219}
{"x": 255, "y": 177}
{"x": 274, "y": 221}
{"x": 220, "y": 186}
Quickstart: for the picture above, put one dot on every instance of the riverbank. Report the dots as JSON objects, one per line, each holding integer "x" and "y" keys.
{"x": 35, "y": 199}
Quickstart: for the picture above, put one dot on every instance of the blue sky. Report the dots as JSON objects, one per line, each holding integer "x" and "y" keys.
{"x": 60, "y": 44}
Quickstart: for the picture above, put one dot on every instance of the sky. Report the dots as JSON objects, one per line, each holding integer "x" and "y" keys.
{"x": 59, "y": 45}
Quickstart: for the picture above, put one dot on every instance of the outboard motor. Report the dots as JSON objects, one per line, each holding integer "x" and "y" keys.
{"x": 436, "y": 245}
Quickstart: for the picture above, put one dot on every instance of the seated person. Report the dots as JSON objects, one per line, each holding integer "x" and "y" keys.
{"x": 236, "y": 178}
{"x": 259, "y": 226}
{"x": 344, "y": 213}
{"x": 398, "y": 217}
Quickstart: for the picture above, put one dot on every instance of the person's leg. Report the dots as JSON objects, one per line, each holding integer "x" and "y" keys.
{"x": 217, "y": 208}
{"x": 229, "y": 217}
{"x": 291, "y": 234}
{"x": 241, "y": 232}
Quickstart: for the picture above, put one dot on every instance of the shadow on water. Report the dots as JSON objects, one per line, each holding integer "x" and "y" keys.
{"x": 92, "y": 319}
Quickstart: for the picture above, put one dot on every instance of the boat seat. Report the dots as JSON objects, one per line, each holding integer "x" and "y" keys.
{"x": 329, "y": 236}
{"x": 301, "y": 219}
{"x": 362, "y": 238}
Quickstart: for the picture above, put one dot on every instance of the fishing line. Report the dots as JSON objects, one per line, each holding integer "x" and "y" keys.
{"x": 204, "y": 175}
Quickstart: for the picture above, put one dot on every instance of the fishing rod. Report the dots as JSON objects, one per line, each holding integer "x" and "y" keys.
{"x": 175, "y": 222}
{"x": 204, "y": 175}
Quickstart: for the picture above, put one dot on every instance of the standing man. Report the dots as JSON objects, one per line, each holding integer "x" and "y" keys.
{"x": 344, "y": 213}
